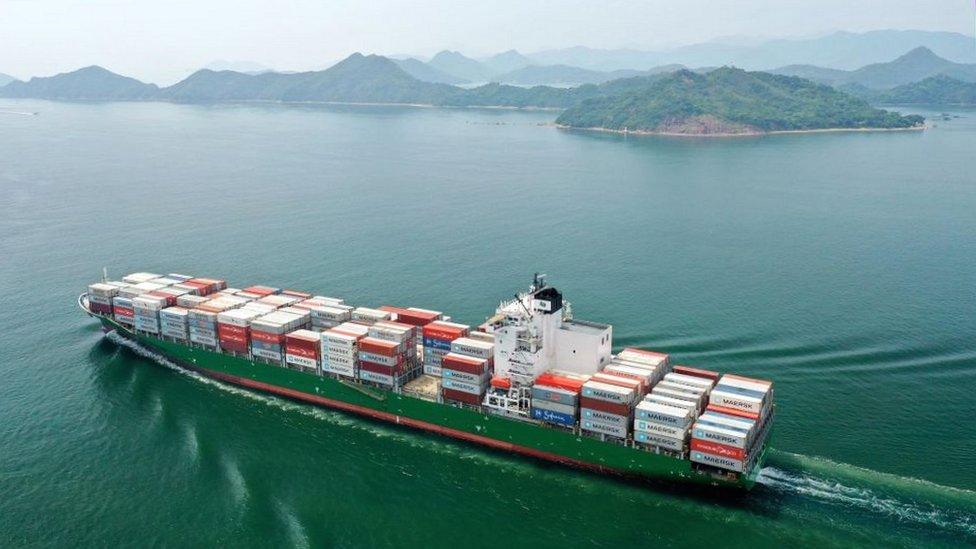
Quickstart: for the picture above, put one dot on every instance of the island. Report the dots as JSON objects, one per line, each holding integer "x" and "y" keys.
{"x": 729, "y": 101}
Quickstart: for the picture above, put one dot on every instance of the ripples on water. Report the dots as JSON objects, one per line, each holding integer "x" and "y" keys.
{"x": 814, "y": 480}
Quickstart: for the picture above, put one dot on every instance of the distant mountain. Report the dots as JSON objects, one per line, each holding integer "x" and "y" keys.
{"x": 424, "y": 72}
{"x": 730, "y": 101}
{"x": 459, "y": 66}
{"x": 936, "y": 90}
{"x": 502, "y": 95}
{"x": 507, "y": 61}
{"x": 92, "y": 82}
{"x": 555, "y": 75}
{"x": 918, "y": 64}
{"x": 820, "y": 75}
{"x": 247, "y": 67}
{"x": 5, "y": 79}
{"x": 840, "y": 50}
{"x": 356, "y": 79}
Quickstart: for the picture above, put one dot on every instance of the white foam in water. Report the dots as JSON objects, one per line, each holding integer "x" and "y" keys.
{"x": 836, "y": 493}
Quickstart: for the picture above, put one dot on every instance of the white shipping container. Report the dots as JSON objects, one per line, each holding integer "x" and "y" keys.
{"x": 382, "y": 379}
{"x": 589, "y": 414}
{"x": 136, "y": 278}
{"x": 753, "y": 385}
{"x": 267, "y": 353}
{"x": 677, "y": 403}
{"x": 717, "y": 461}
{"x": 704, "y": 431}
{"x": 203, "y": 339}
{"x": 660, "y": 413}
{"x": 302, "y": 361}
{"x": 660, "y": 429}
{"x": 693, "y": 381}
{"x": 237, "y": 317}
{"x": 608, "y": 393}
{"x": 432, "y": 370}
{"x": 629, "y": 371}
{"x": 653, "y": 439}
{"x": 735, "y": 401}
{"x": 472, "y": 347}
{"x": 603, "y": 428}
{"x": 729, "y": 421}
{"x": 464, "y": 377}
{"x": 470, "y": 388}
{"x": 367, "y": 315}
{"x": 678, "y": 395}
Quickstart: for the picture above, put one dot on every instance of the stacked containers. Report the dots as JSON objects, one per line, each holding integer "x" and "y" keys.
{"x": 403, "y": 334}
{"x": 146, "y": 309}
{"x": 465, "y": 378}
{"x": 302, "y": 348}
{"x": 268, "y": 332}
{"x": 470, "y": 346}
{"x": 189, "y": 301}
{"x": 658, "y": 363}
{"x": 555, "y": 398}
{"x": 202, "y": 320}
{"x": 174, "y": 323}
{"x": 607, "y": 409}
{"x": 279, "y": 300}
{"x": 122, "y": 310}
{"x": 438, "y": 336}
{"x": 234, "y": 329}
{"x": 381, "y": 361}
{"x": 726, "y": 435}
{"x": 327, "y": 315}
{"x": 367, "y": 316}
{"x": 339, "y": 348}
{"x": 100, "y": 297}
{"x": 663, "y": 426}
{"x": 205, "y": 286}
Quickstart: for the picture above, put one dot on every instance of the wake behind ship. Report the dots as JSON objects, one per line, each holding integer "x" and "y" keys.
{"x": 531, "y": 380}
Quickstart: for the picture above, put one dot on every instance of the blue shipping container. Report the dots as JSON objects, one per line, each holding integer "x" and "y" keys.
{"x": 553, "y": 417}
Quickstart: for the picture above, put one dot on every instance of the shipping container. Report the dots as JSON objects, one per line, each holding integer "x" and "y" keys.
{"x": 589, "y": 414}
{"x": 660, "y": 413}
{"x": 653, "y": 439}
{"x": 460, "y": 396}
{"x": 568, "y": 409}
{"x": 550, "y": 416}
{"x": 599, "y": 427}
{"x": 609, "y": 393}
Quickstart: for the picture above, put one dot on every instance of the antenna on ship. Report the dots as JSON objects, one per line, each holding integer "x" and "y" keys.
{"x": 104, "y": 274}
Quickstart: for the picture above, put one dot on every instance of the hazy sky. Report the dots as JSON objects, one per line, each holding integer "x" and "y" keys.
{"x": 163, "y": 40}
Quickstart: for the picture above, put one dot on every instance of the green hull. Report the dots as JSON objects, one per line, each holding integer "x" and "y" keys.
{"x": 467, "y": 424}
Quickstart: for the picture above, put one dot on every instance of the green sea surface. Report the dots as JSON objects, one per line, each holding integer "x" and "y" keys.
{"x": 839, "y": 265}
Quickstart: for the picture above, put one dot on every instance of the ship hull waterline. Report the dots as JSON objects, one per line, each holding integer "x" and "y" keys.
{"x": 464, "y": 424}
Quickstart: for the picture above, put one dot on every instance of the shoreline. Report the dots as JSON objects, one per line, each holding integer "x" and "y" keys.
{"x": 644, "y": 133}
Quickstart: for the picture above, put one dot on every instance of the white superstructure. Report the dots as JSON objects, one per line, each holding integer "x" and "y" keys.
{"x": 535, "y": 332}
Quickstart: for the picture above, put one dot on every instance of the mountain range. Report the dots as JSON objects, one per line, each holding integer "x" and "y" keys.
{"x": 5, "y": 79}
{"x": 916, "y": 65}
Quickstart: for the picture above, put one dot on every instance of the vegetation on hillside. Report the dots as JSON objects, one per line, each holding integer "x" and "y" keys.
{"x": 730, "y": 100}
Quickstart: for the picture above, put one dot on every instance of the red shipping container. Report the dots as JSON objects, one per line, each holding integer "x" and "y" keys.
{"x": 297, "y": 294}
{"x": 378, "y": 346}
{"x": 261, "y": 290}
{"x": 413, "y": 318}
{"x": 733, "y": 412}
{"x": 124, "y": 311}
{"x": 305, "y": 352}
{"x": 232, "y": 331}
{"x": 378, "y": 368}
{"x": 458, "y": 396}
{"x": 468, "y": 365}
{"x": 718, "y": 449}
{"x": 265, "y": 337}
{"x": 100, "y": 308}
{"x": 170, "y": 299}
{"x": 440, "y": 330}
{"x": 234, "y": 346}
{"x": 604, "y": 406}
{"x": 562, "y": 382}
{"x": 689, "y": 371}
{"x": 620, "y": 380}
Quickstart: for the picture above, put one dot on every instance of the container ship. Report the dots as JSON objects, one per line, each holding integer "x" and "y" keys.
{"x": 531, "y": 379}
